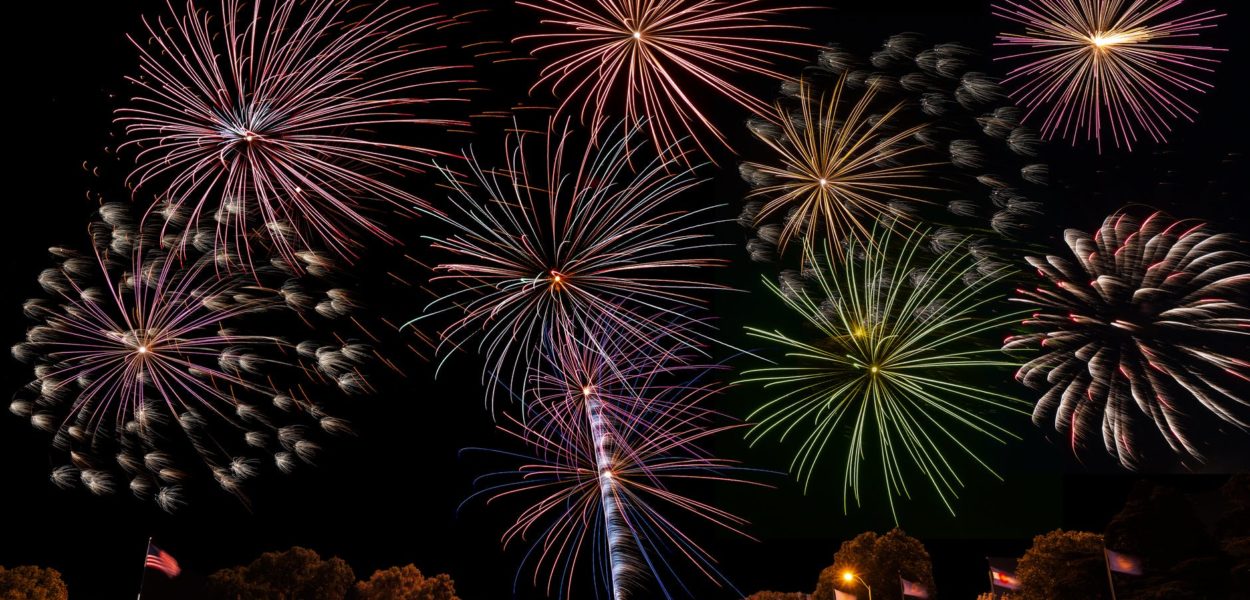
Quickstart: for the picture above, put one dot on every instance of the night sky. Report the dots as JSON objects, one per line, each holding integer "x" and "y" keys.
{"x": 392, "y": 495}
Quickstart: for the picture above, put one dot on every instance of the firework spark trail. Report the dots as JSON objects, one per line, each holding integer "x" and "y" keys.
{"x": 1095, "y": 63}
{"x": 1143, "y": 338}
{"x": 893, "y": 364}
{"x": 640, "y": 59}
{"x": 553, "y": 250}
{"x": 612, "y": 439}
{"x": 249, "y": 115}
{"x": 140, "y": 347}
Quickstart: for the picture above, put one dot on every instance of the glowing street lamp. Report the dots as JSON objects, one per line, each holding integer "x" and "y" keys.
{"x": 850, "y": 577}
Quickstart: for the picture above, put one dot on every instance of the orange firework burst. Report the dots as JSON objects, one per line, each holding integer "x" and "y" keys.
{"x": 835, "y": 166}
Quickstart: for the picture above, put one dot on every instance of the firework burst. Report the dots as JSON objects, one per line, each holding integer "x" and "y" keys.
{"x": 585, "y": 238}
{"x": 651, "y": 60}
{"x": 266, "y": 118}
{"x": 913, "y": 132}
{"x": 613, "y": 447}
{"x": 1143, "y": 339}
{"x": 1090, "y": 64}
{"x": 835, "y": 170}
{"x": 897, "y": 369}
{"x": 139, "y": 348}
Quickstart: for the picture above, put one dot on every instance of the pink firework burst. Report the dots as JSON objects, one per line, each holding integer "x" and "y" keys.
{"x": 565, "y": 234}
{"x": 142, "y": 357}
{"x": 1090, "y": 64}
{"x": 263, "y": 119}
{"x": 653, "y": 61}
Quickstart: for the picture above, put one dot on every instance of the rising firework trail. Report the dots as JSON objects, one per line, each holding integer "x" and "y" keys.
{"x": 1143, "y": 341}
{"x": 650, "y": 61}
{"x": 896, "y": 367}
{"x": 267, "y": 119}
{"x": 613, "y": 445}
{"x": 1090, "y": 64}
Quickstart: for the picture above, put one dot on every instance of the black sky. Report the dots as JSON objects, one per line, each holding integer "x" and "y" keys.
{"x": 391, "y": 495}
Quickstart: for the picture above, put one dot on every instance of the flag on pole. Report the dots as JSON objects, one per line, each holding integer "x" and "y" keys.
{"x": 841, "y": 595}
{"x": 1123, "y": 563}
{"x": 912, "y": 589}
{"x": 1003, "y": 573}
{"x": 161, "y": 561}
{"x": 1004, "y": 579}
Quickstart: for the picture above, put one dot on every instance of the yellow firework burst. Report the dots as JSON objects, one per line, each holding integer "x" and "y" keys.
{"x": 899, "y": 367}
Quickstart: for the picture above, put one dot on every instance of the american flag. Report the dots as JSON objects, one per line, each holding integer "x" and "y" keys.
{"x": 1002, "y": 575}
{"x": 161, "y": 561}
{"x": 1004, "y": 579}
{"x": 911, "y": 589}
{"x": 1123, "y": 563}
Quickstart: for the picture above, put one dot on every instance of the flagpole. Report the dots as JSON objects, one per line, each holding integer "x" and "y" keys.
{"x": 1107, "y": 562}
{"x": 990, "y": 574}
{"x": 143, "y": 575}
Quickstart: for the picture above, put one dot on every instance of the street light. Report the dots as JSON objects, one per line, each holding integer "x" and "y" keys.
{"x": 850, "y": 577}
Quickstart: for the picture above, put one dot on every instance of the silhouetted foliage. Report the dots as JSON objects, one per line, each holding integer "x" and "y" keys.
{"x": 777, "y": 596}
{"x": 406, "y": 583}
{"x": 296, "y": 573}
{"x": 32, "y": 583}
{"x": 880, "y": 560}
{"x": 1159, "y": 525}
{"x": 1063, "y": 565}
{"x": 1233, "y": 529}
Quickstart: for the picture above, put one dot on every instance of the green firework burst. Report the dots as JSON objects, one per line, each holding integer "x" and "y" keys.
{"x": 895, "y": 368}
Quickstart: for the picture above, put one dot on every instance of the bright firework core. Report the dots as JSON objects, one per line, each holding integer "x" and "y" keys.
{"x": 1102, "y": 39}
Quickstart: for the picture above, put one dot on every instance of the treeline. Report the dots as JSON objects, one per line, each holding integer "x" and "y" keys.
{"x": 1190, "y": 546}
{"x": 302, "y": 573}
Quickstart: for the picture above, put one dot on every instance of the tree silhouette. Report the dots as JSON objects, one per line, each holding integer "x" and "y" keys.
{"x": 777, "y": 596}
{"x": 296, "y": 574}
{"x": 1233, "y": 529}
{"x": 32, "y": 583}
{"x": 1063, "y": 565}
{"x": 1181, "y": 559}
{"x": 879, "y": 560}
{"x": 406, "y": 583}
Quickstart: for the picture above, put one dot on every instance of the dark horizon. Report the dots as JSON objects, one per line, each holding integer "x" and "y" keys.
{"x": 393, "y": 493}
